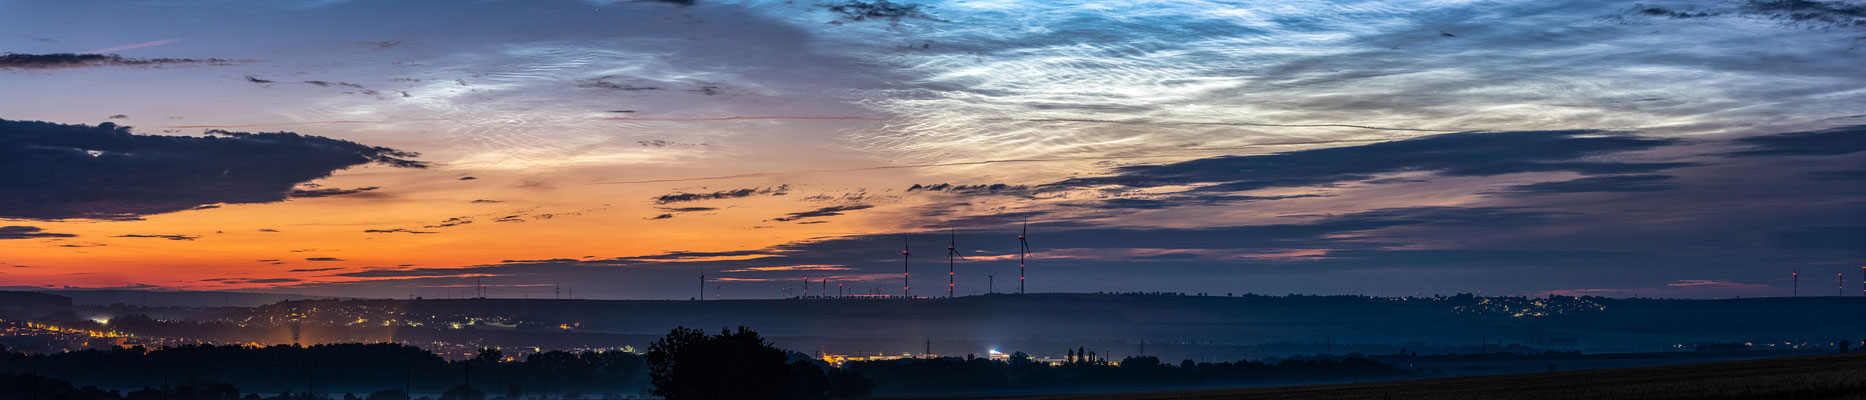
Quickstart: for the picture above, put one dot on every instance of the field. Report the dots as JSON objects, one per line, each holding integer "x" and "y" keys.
{"x": 1811, "y": 377}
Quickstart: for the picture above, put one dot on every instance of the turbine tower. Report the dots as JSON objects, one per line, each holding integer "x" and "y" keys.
{"x": 905, "y": 286}
{"x": 952, "y": 253}
{"x": 702, "y": 286}
{"x": 1023, "y": 251}
{"x": 1797, "y": 286}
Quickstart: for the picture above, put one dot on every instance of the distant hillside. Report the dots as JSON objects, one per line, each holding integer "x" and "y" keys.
{"x": 1815, "y": 377}
{"x": 156, "y": 298}
{"x": 1019, "y": 321}
{"x": 31, "y": 304}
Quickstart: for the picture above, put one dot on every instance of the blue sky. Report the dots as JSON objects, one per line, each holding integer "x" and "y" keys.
{"x": 1691, "y": 149}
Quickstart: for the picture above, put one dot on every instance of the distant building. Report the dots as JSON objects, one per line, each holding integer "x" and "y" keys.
{"x": 1722, "y": 346}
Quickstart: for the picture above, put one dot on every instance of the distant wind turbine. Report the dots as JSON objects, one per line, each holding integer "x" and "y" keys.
{"x": 1023, "y": 251}
{"x": 906, "y": 287}
{"x": 952, "y": 253}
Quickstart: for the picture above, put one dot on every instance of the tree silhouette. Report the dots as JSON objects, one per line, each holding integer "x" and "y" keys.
{"x": 688, "y": 364}
{"x": 807, "y": 381}
{"x": 463, "y": 392}
{"x": 392, "y": 394}
{"x": 848, "y": 385}
{"x": 488, "y": 356}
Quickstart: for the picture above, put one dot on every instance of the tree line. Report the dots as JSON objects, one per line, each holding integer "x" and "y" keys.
{"x": 1021, "y": 373}
{"x": 689, "y": 364}
{"x": 686, "y": 364}
{"x": 337, "y": 368}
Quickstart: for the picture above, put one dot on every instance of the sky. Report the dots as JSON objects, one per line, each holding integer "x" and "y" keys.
{"x": 619, "y": 150}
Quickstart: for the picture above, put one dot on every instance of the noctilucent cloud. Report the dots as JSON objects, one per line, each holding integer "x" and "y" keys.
{"x": 621, "y": 148}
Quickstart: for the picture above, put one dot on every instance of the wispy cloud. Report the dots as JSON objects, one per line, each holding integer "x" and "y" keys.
{"x": 779, "y": 190}
{"x": 812, "y": 267}
{"x": 28, "y": 232}
{"x": 822, "y": 212}
{"x": 169, "y": 237}
{"x": 1713, "y": 283}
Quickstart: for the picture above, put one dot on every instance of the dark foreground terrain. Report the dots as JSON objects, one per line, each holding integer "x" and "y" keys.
{"x": 1813, "y": 377}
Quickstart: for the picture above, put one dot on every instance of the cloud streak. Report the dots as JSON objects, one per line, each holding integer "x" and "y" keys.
{"x": 28, "y": 232}
{"x": 822, "y": 212}
{"x": 17, "y": 61}
{"x": 723, "y": 194}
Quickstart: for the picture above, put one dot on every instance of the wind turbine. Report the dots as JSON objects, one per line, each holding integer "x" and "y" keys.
{"x": 952, "y": 253}
{"x": 905, "y": 286}
{"x": 1023, "y": 251}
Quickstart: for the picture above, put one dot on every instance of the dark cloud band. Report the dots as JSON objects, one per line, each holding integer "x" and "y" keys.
{"x": 59, "y": 171}
{"x": 69, "y": 60}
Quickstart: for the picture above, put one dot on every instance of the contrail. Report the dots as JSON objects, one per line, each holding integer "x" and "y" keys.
{"x": 859, "y": 118}
{"x": 1097, "y": 121}
{"x": 961, "y": 163}
{"x": 303, "y": 123}
{"x": 133, "y": 46}
{"x": 1110, "y": 121}
{"x": 706, "y": 178}
{"x": 844, "y": 118}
